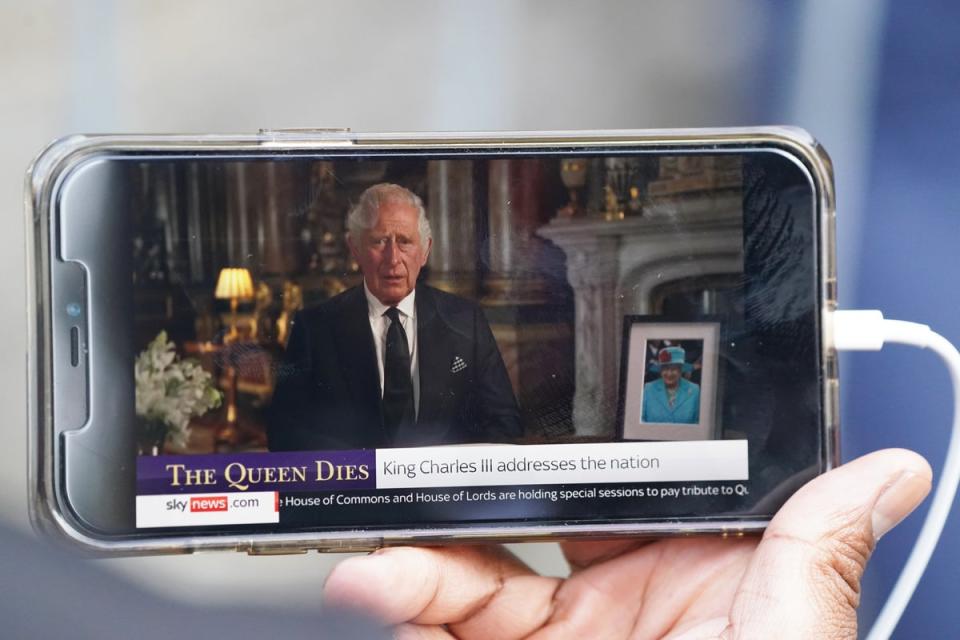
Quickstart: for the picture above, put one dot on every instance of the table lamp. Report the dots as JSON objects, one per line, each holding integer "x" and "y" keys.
{"x": 234, "y": 284}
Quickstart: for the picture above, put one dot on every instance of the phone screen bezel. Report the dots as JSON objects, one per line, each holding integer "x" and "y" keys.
{"x": 110, "y": 500}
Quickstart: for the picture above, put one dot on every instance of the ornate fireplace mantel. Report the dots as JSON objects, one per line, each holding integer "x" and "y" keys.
{"x": 614, "y": 268}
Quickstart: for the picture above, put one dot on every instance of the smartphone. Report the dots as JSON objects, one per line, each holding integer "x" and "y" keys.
{"x": 320, "y": 339}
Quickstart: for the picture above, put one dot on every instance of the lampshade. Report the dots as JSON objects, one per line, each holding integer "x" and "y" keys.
{"x": 234, "y": 283}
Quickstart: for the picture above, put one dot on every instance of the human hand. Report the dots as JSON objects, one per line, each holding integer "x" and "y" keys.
{"x": 800, "y": 580}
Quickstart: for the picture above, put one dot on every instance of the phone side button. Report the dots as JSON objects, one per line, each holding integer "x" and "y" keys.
{"x": 275, "y": 551}
{"x": 346, "y": 547}
{"x": 286, "y": 131}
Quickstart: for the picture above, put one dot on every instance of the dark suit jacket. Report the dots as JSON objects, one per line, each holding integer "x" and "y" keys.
{"x": 328, "y": 387}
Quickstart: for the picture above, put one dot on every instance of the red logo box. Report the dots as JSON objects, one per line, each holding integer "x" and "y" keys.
{"x": 208, "y": 503}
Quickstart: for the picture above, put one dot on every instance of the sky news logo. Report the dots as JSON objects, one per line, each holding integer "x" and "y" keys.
{"x": 208, "y": 509}
{"x": 204, "y": 504}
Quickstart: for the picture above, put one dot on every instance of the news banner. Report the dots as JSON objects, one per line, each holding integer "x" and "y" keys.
{"x": 439, "y": 484}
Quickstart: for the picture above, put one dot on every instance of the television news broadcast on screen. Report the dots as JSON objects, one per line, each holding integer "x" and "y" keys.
{"x": 534, "y": 338}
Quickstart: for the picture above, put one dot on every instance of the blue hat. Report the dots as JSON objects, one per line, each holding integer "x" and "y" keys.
{"x": 671, "y": 356}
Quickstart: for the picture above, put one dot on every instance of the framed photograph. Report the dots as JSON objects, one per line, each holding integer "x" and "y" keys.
{"x": 668, "y": 379}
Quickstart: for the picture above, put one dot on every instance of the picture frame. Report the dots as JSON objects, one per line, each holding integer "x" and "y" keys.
{"x": 668, "y": 379}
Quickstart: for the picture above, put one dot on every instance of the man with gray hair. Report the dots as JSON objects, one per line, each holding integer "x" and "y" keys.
{"x": 391, "y": 362}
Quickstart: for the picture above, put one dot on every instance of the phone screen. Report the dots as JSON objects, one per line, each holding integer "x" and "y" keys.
{"x": 406, "y": 340}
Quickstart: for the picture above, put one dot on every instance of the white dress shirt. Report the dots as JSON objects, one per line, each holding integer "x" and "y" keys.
{"x": 379, "y": 324}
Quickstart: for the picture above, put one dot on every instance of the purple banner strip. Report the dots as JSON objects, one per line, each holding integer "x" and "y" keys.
{"x": 281, "y": 471}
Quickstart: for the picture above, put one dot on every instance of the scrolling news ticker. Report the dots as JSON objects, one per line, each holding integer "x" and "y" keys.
{"x": 244, "y": 488}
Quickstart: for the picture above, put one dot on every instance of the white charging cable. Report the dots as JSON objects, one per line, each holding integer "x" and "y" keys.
{"x": 868, "y": 331}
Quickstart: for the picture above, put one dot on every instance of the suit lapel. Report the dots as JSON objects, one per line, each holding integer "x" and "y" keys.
{"x": 684, "y": 393}
{"x": 662, "y": 398}
{"x": 431, "y": 353}
{"x": 358, "y": 356}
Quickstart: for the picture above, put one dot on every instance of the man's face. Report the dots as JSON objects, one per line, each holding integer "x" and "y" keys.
{"x": 391, "y": 254}
{"x": 670, "y": 374}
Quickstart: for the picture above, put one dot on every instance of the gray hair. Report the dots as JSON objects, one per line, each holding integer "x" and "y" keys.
{"x": 363, "y": 216}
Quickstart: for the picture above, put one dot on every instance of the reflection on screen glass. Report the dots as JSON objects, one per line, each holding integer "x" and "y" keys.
{"x": 349, "y": 304}
{"x": 528, "y": 266}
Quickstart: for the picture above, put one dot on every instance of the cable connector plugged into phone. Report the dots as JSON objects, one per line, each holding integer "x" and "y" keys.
{"x": 868, "y": 330}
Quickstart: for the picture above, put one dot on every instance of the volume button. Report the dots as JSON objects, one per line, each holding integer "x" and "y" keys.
{"x": 308, "y": 138}
{"x": 74, "y": 346}
{"x": 304, "y": 131}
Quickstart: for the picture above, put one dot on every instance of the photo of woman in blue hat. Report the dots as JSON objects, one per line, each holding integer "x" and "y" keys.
{"x": 671, "y": 398}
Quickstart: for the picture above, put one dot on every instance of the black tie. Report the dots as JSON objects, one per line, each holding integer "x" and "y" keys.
{"x": 398, "y": 408}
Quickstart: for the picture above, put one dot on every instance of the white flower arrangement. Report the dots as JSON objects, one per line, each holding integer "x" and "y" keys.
{"x": 170, "y": 391}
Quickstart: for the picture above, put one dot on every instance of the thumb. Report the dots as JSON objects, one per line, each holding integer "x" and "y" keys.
{"x": 804, "y": 579}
